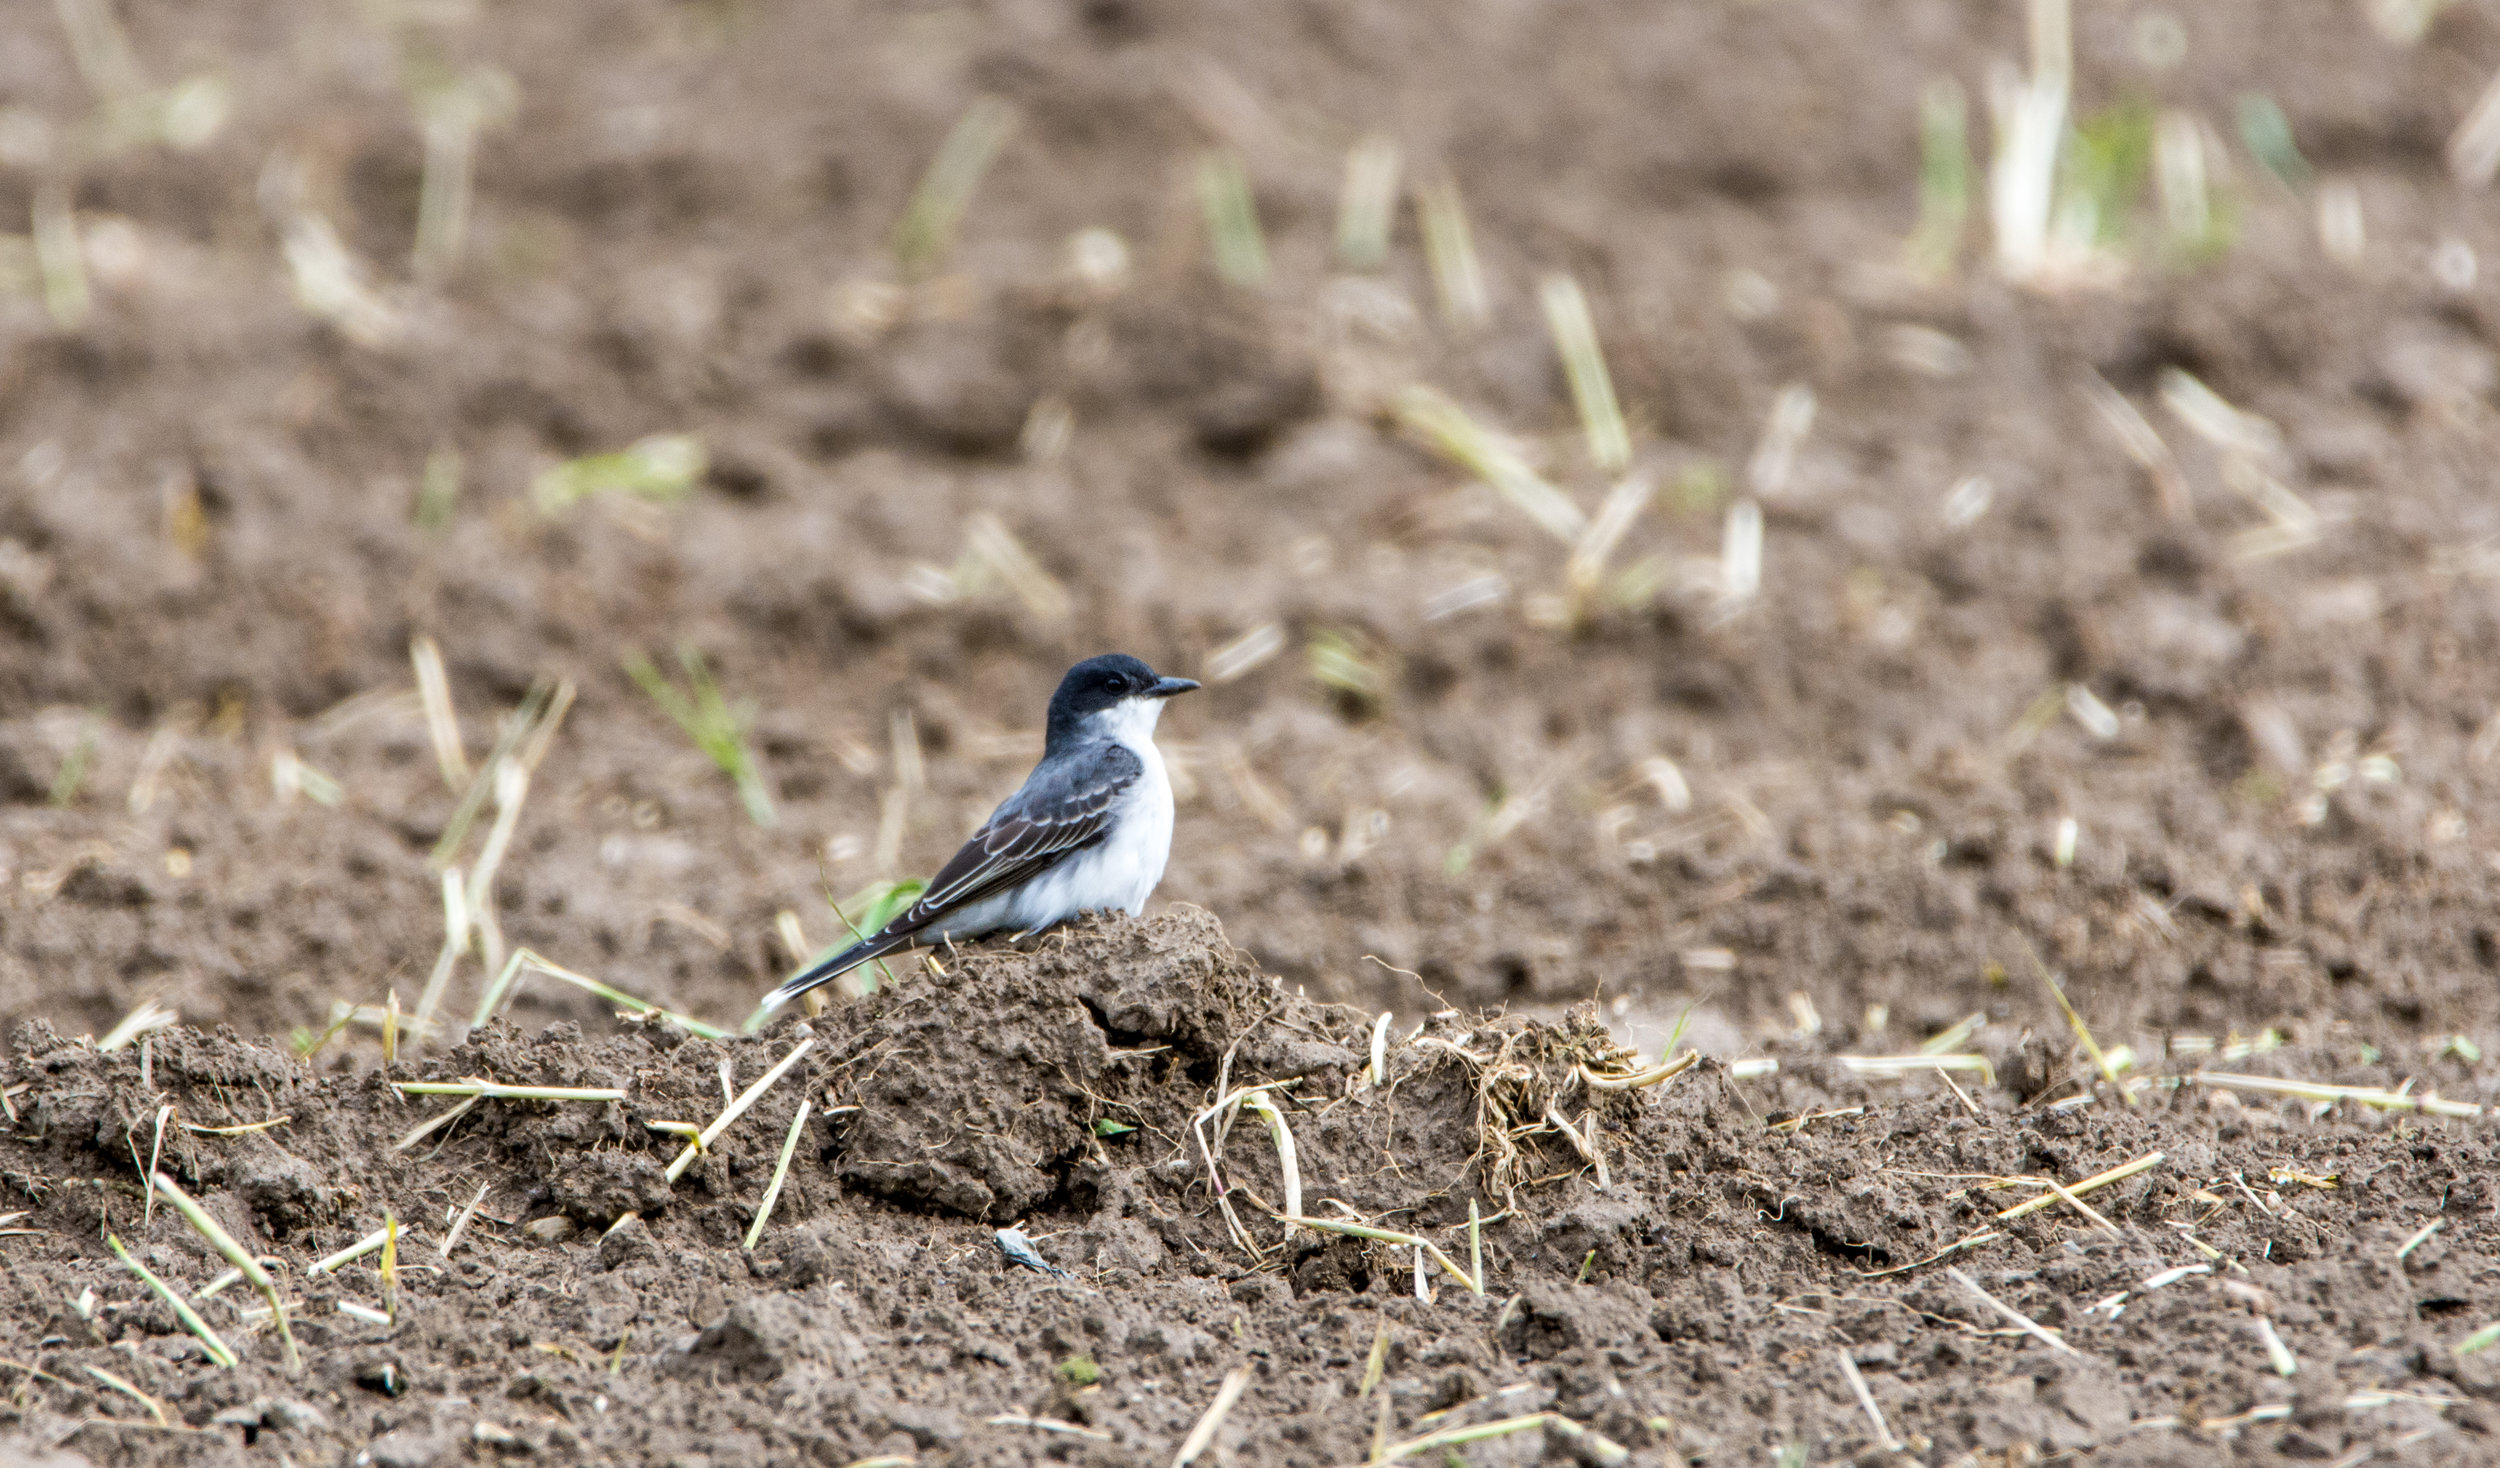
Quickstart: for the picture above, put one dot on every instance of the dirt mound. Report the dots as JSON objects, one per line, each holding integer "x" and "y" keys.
{"x": 1676, "y": 1267}
{"x": 981, "y": 1094}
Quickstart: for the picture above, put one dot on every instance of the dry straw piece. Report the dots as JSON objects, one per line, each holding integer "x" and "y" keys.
{"x": 497, "y": 1090}
{"x": 2419, "y": 1237}
{"x": 2215, "y": 419}
{"x": 450, "y": 114}
{"x": 2143, "y": 445}
{"x": 460, "y": 1225}
{"x": 1429, "y": 417}
{"x": 2031, "y": 128}
{"x": 2069, "y": 1193}
{"x": 1047, "y": 1424}
{"x": 524, "y": 962}
{"x": 1774, "y": 461}
{"x": 738, "y": 1108}
{"x": 1376, "y": 1364}
{"x": 992, "y": 548}
{"x": 2106, "y": 1062}
{"x": 1591, "y": 1445}
{"x": 1866, "y": 1401}
{"x": 150, "y": 1016}
{"x": 1367, "y": 209}
{"x": 526, "y": 734}
{"x": 238, "y": 1130}
{"x": 332, "y": 284}
{"x": 155, "y": 1408}
{"x": 1288, "y": 1158}
{"x": 2474, "y": 149}
{"x": 390, "y": 1265}
{"x": 1894, "y": 1067}
{"x": 1244, "y": 653}
{"x": 1740, "y": 555}
{"x": 352, "y": 1252}
{"x": 1586, "y": 569}
{"x": 2377, "y": 1097}
{"x": 1221, "y": 1113}
{"x": 2018, "y": 1319}
{"x": 432, "y": 1124}
{"x": 1202, "y": 1435}
{"x": 455, "y": 943}
{"x": 1392, "y": 1236}
{"x": 512, "y": 786}
{"x": 781, "y": 1173}
{"x": 2343, "y": 229}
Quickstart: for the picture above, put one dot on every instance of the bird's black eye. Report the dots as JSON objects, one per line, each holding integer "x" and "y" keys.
{"x": 1116, "y": 683}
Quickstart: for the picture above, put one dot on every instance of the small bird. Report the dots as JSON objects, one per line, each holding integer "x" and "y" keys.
{"x": 1089, "y": 832}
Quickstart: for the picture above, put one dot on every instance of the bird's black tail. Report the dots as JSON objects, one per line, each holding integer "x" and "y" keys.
{"x": 867, "y": 950}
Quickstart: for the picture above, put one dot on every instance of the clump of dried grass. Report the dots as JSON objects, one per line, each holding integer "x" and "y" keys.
{"x": 1522, "y": 1072}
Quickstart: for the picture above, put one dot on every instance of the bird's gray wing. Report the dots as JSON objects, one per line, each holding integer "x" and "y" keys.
{"x": 1060, "y": 811}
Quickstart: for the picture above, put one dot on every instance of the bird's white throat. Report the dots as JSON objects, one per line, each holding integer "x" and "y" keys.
{"x": 1130, "y": 721}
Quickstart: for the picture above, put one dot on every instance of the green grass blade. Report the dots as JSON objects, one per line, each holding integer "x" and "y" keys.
{"x": 663, "y": 468}
{"x": 2268, "y": 134}
{"x": 1232, "y": 220}
{"x": 926, "y": 232}
{"x": 1944, "y": 177}
{"x": 210, "y": 1341}
{"x": 1584, "y": 364}
{"x": 1450, "y": 251}
{"x": 717, "y": 727}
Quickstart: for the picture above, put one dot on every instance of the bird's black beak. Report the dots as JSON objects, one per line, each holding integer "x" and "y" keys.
{"x": 1168, "y": 687}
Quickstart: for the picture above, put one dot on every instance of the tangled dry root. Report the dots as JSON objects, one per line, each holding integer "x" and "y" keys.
{"x": 1523, "y": 1071}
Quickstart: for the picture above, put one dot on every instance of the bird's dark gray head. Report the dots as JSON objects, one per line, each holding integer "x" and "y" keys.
{"x": 1113, "y": 684}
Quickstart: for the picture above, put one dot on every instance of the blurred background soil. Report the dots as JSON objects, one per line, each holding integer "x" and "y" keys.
{"x": 680, "y": 226}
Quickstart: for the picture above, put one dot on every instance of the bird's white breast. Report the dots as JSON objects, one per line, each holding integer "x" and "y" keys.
{"x": 1123, "y": 870}
{"x": 1132, "y": 861}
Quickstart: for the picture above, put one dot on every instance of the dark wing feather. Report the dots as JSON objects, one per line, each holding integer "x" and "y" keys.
{"x": 1035, "y": 829}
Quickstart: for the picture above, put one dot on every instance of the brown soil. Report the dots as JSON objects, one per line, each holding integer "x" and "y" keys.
{"x": 1696, "y": 1301}
{"x": 208, "y": 560}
